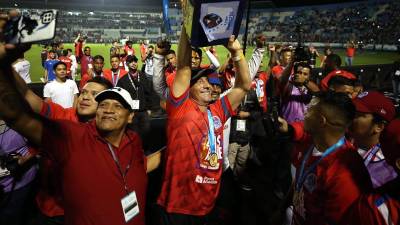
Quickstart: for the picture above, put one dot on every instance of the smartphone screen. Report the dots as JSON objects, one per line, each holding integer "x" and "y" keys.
{"x": 29, "y": 27}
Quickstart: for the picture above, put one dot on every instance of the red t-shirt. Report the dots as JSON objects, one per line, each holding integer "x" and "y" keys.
{"x": 49, "y": 196}
{"x": 67, "y": 61}
{"x": 91, "y": 182}
{"x": 78, "y": 49}
{"x": 129, "y": 51}
{"x": 277, "y": 71}
{"x": 190, "y": 183}
{"x": 108, "y": 74}
{"x": 327, "y": 192}
{"x": 170, "y": 76}
{"x": 374, "y": 209}
{"x": 350, "y": 52}
{"x": 258, "y": 84}
{"x": 228, "y": 77}
{"x": 85, "y": 61}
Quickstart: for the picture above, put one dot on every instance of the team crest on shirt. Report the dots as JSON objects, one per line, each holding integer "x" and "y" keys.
{"x": 206, "y": 160}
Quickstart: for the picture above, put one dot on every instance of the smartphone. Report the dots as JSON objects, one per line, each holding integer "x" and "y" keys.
{"x": 31, "y": 26}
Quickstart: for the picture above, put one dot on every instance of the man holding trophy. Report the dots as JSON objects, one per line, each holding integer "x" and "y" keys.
{"x": 194, "y": 158}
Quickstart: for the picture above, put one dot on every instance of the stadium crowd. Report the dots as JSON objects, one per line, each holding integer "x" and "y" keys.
{"x": 247, "y": 143}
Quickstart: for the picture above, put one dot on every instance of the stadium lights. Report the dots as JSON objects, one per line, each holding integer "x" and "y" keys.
{"x": 91, "y": 13}
{"x": 15, "y": 5}
{"x": 379, "y": 69}
{"x": 362, "y": 70}
{"x": 130, "y": 15}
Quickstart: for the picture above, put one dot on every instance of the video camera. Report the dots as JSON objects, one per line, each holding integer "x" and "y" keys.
{"x": 10, "y": 162}
{"x": 301, "y": 53}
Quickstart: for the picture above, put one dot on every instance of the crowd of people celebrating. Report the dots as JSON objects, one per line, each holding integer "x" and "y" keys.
{"x": 247, "y": 143}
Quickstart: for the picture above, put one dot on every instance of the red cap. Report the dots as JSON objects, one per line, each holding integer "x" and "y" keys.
{"x": 390, "y": 142}
{"x": 376, "y": 103}
{"x": 343, "y": 73}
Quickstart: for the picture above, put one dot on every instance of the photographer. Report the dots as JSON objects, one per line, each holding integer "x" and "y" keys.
{"x": 296, "y": 90}
{"x": 17, "y": 174}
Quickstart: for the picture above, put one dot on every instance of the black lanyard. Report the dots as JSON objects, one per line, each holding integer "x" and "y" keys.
{"x": 123, "y": 174}
{"x": 133, "y": 84}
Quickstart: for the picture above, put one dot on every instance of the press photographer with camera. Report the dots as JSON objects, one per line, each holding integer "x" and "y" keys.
{"x": 17, "y": 174}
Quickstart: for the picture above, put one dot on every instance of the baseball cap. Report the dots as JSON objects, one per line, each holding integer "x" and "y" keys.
{"x": 213, "y": 78}
{"x": 199, "y": 73}
{"x": 118, "y": 94}
{"x": 343, "y": 73}
{"x": 375, "y": 103}
{"x": 390, "y": 142}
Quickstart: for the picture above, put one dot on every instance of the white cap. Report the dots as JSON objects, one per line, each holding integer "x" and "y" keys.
{"x": 119, "y": 94}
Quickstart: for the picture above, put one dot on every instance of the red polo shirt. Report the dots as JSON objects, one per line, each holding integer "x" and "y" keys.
{"x": 108, "y": 74}
{"x": 375, "y": 209}
{"x": 339, "y": 180}
{"x": 91, "y": 182}
{"x": 170, "y": 75}
{"x": 191, "y": 183}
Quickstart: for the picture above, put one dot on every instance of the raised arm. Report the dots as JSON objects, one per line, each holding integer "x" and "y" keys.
{"x": 284, "y": 78}
{"x": 77, "y": 38}
{"x": 14, "y": 109}
{"x": 159, "y": 82}
{"x": 242, "y": 78}
{"x": 183, "y": 73}
{"x": 256, "y": 57}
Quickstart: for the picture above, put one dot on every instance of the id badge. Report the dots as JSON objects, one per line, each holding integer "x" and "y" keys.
{"x": 136, "y": 104}
{"x": 130, "y": 206}
{"x": 397, "y": 73}
{"x": 241, "y": 125}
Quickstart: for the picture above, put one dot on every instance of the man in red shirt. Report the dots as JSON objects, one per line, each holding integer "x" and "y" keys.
{"x": 111, "y": 189}
{"x": 65, "y": 59}
{"x": 86, "y": 61}
{"x": 115, "y": 73}
{"x": 350, "y": 51}
{"x": 97, "y": 71}
{"x": 286, "y": 57}
{"x": 170, "y": 70}
{"x": 330, "y": 175}
{"x": 382, "y": 208}
{"x": 193, "y": 163}
{"x": 78, "y": 44}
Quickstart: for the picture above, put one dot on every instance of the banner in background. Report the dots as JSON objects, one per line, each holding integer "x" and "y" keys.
{"x": 167, "y": 23}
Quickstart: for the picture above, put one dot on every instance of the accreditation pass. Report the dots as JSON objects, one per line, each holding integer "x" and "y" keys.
{"x": 130, "y": 206}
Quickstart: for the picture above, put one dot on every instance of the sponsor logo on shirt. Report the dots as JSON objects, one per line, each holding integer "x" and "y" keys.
{"x": 205, "y": 180}
{"x": 217, "y": 122}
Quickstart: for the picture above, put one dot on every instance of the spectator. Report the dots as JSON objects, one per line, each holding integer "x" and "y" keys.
{"x": 384, "y": 207}
{"x": 187, "y": 106}
{"x": 115, "y": 73}
{"x": 49, "y": 74}
{"x": 22, "y": 67}
{"x": 74, "y": 63}
{"x": 79, "y": 43}
{"x": 296, "y": 91}
{"x": 321, "y": 153}
{"x": 285, "y": 58}
{"x": 374, "y": 112}
{"x": 343, "y": 83}
{"x": 67, "y": 60}
{"x": 98, "y": 64}
{"x": 148, "y": 62}
{"x": 62, "y": 91}
{"x": 44, "y": 53}
{"x": 86, "y": 61}
{"x": 16, "y": 181}
{"x": 350, "y": 51}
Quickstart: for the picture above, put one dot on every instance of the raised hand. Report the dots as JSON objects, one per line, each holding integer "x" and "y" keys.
{"x": 233, "y": 45}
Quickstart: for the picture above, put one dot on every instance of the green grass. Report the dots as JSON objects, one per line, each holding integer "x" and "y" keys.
{"x": 365, "y": 58}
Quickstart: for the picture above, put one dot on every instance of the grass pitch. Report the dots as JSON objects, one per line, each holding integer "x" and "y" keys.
{"x": 363, "y": 58}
